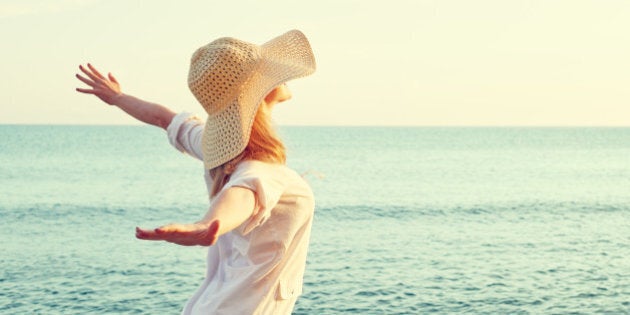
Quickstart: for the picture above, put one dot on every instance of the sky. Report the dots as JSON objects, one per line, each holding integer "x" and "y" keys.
{"x": 382, "y": 63}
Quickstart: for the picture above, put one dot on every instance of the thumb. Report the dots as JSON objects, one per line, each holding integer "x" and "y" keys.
{"x": 214, "y": 227}
{"x": 211, "y": 235}
{"x": 111, "y": 78}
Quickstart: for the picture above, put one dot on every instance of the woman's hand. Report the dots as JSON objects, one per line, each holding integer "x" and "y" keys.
{"x": 107, "y": 89}
{"x": 232, "y": 207}
{"x": 203, "y": 234}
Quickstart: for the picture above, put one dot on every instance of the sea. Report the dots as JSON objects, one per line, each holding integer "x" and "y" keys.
{"x": 408, "y": 220}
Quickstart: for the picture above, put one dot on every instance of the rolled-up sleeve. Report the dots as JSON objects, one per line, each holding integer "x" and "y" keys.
{"x": 184, "y": 133}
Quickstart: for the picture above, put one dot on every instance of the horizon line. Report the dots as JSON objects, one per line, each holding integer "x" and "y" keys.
{"x": 340, "y": 125}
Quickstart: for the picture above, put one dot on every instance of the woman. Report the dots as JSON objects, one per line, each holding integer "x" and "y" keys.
{"x": 259, "y": 219}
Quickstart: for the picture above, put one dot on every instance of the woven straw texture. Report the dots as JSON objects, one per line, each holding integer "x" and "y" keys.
{"x": 230, "y": 78}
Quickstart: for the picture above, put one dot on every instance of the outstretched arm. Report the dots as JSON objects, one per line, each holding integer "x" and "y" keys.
{"x": 228, "y": 210}
{"x": 108, "y": 90}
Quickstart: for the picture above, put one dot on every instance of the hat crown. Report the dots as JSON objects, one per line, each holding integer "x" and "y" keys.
{"x": 219, "y": 69}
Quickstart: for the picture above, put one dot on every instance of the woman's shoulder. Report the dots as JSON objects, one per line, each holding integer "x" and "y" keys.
{"x": 274, "y": 177}
{"x": 263, "y": 169}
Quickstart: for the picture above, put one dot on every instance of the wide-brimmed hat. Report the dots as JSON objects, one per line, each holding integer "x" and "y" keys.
{"x": 230, "y": 78}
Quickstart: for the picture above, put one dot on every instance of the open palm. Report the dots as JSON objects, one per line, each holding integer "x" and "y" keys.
{"x": 202, "y": 234}
{"x": 107, "y": 89}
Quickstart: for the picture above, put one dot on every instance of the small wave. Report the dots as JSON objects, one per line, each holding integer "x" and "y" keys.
{"x": 515, "y": 211}
{"x": 58, "y": 213}
{"x": 370, "y": 212}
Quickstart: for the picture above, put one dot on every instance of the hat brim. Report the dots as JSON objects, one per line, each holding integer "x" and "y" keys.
{"x": 283, "y": 58}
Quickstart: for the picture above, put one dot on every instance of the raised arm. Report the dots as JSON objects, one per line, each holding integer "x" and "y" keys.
{"x": 108, "y": 90}
{"x": 228, "y": 211}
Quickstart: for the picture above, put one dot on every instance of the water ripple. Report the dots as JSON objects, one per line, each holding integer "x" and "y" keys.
{"x": 516, "y": 259}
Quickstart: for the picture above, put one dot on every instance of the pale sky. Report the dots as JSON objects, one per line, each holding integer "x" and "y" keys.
{"x": 399, "y": 62}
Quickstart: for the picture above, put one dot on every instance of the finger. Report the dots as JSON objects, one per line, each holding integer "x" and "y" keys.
{"x": 183, "y": 234}
{"x": 85, "y": 80}
{"x": 90, "y": 74}
{"x": 175, "y": 228}
{"x": 111, "y": 78}
{"x": 148, "y": 235}
{"x": 140, "y": 230}
{"x": 86, "y": 91}
{"x": 141, "y": 233}
{"x": 98, "y": 74}
{"x": 169, "y": 228}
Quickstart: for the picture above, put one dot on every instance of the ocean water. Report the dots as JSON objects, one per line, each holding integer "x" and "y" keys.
{"x": 408, "y": 220}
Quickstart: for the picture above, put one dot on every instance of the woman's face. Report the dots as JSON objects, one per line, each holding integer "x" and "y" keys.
{"x": 279, "y": 94}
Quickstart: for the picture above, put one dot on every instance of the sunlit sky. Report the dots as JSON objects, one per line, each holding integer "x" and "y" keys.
{"x": 400, "y": 62}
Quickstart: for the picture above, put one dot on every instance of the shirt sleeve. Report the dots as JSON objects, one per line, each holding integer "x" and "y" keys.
{"x": 184, "y": 133}
{"x": 267, "y": 188}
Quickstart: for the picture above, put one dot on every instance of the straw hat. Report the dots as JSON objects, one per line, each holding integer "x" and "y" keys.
{"x": 230, "y": 78}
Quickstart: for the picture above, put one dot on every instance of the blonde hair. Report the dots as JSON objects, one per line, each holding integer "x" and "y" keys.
{"x": 264, "y": 145}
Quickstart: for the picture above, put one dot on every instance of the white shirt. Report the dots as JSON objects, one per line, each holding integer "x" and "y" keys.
{"x": 257, "y": 268}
